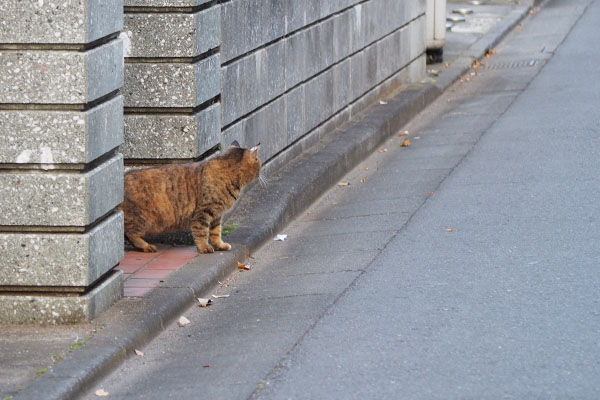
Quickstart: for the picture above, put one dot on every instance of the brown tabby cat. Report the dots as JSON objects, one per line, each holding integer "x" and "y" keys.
{"x": 187, "y": 197}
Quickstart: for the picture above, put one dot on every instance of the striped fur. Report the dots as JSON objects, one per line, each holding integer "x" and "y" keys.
{"x": 187, "y": 197}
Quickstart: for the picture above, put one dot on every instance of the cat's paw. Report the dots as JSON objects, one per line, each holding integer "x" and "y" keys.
{"x": 150, "y": 248}
{"x": 223, "y": 246}
{"x": 205, "y": 249}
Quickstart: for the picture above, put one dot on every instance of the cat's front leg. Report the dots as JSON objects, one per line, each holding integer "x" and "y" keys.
{"x": 215, "y": 238}
{"x": 140, "y": 244}
{"x": 200, "y": 233}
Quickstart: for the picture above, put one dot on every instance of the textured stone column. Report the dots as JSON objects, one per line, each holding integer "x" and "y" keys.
{"x": 61, "y": 176}
{"x": 172, "y": 80}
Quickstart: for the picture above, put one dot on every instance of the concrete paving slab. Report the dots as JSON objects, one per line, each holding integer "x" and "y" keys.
{"x": 456, "y": 123}
{"x": 493, "y": 103}
{"x": 365, "y": 206}
{"x": 424, "y": 167}
{"x": 344, "y": 242}
{"x": 319, "y": 263}
{"x": 406, "y": 188}
{"x": 329, "y": 283}
{"x": 322, "y": 227}
{"x": 438, "y": 135}
{"x": 443, "y": 151}
{"x": 508, "y": 82}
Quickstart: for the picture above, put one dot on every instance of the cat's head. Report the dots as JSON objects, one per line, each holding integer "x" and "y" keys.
{"x": 248, "y": 161}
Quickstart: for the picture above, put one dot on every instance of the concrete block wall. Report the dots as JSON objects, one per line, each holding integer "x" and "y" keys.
{"x": 61, "y": 176}
{"x": 199, "y": 72}
{"x": 172, "y": 80}
{"x": 290, "y": 67}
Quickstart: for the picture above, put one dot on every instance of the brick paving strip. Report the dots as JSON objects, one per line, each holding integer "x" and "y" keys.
{"x": 145, "y": 271}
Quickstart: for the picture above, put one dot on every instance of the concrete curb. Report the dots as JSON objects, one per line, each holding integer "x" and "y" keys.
{"x": 130, "y": 325}
{"x": 298, "y": 184}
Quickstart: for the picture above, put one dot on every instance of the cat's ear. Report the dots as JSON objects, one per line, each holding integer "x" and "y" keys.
{"x": 234, "y": 144}
{"x": 254, "y": 150}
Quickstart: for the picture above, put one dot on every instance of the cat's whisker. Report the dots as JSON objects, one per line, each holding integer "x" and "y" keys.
{"x": 263, "y": 181}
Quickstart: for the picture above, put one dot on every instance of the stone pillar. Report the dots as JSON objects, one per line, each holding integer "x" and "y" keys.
{"x": 172, "y": 80}
{"x": 61, "y": 176}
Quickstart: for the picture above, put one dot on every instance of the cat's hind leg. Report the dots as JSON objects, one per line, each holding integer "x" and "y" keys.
{"x": 215, "y": 238}
{"x": 140, "y": 243}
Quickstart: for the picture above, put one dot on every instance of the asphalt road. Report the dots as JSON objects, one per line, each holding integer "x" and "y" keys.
{"x": 464, "y": 266}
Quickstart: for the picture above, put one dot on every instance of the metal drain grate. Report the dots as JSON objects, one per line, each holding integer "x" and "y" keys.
{"x": 512, "y": 64}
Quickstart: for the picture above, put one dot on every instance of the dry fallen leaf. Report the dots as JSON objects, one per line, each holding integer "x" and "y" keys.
{"x": 430, "y": 193}
{"x": 244, "y": 267}
{"x": 405, "y": 143}
{"x": 383, "y": 150}
{"x": 449, "y": 230}
{"x": 342, "y": 184}
{"x": 183, "y": 321}
{"x": 206, "y": 366}
{"x": 139, "y": 352}
{"x": 366, "y": 168}
{"x": 382, "y": 102}
{"x": 204, "y": 302}
{"x": 405, "y": 133}
{"x": 362, "y": 180}
{"x": 101, "y": 393}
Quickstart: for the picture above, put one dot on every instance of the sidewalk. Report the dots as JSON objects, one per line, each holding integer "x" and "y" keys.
{"x": 57, "y": 362}
{"x": 484, "y": 283}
